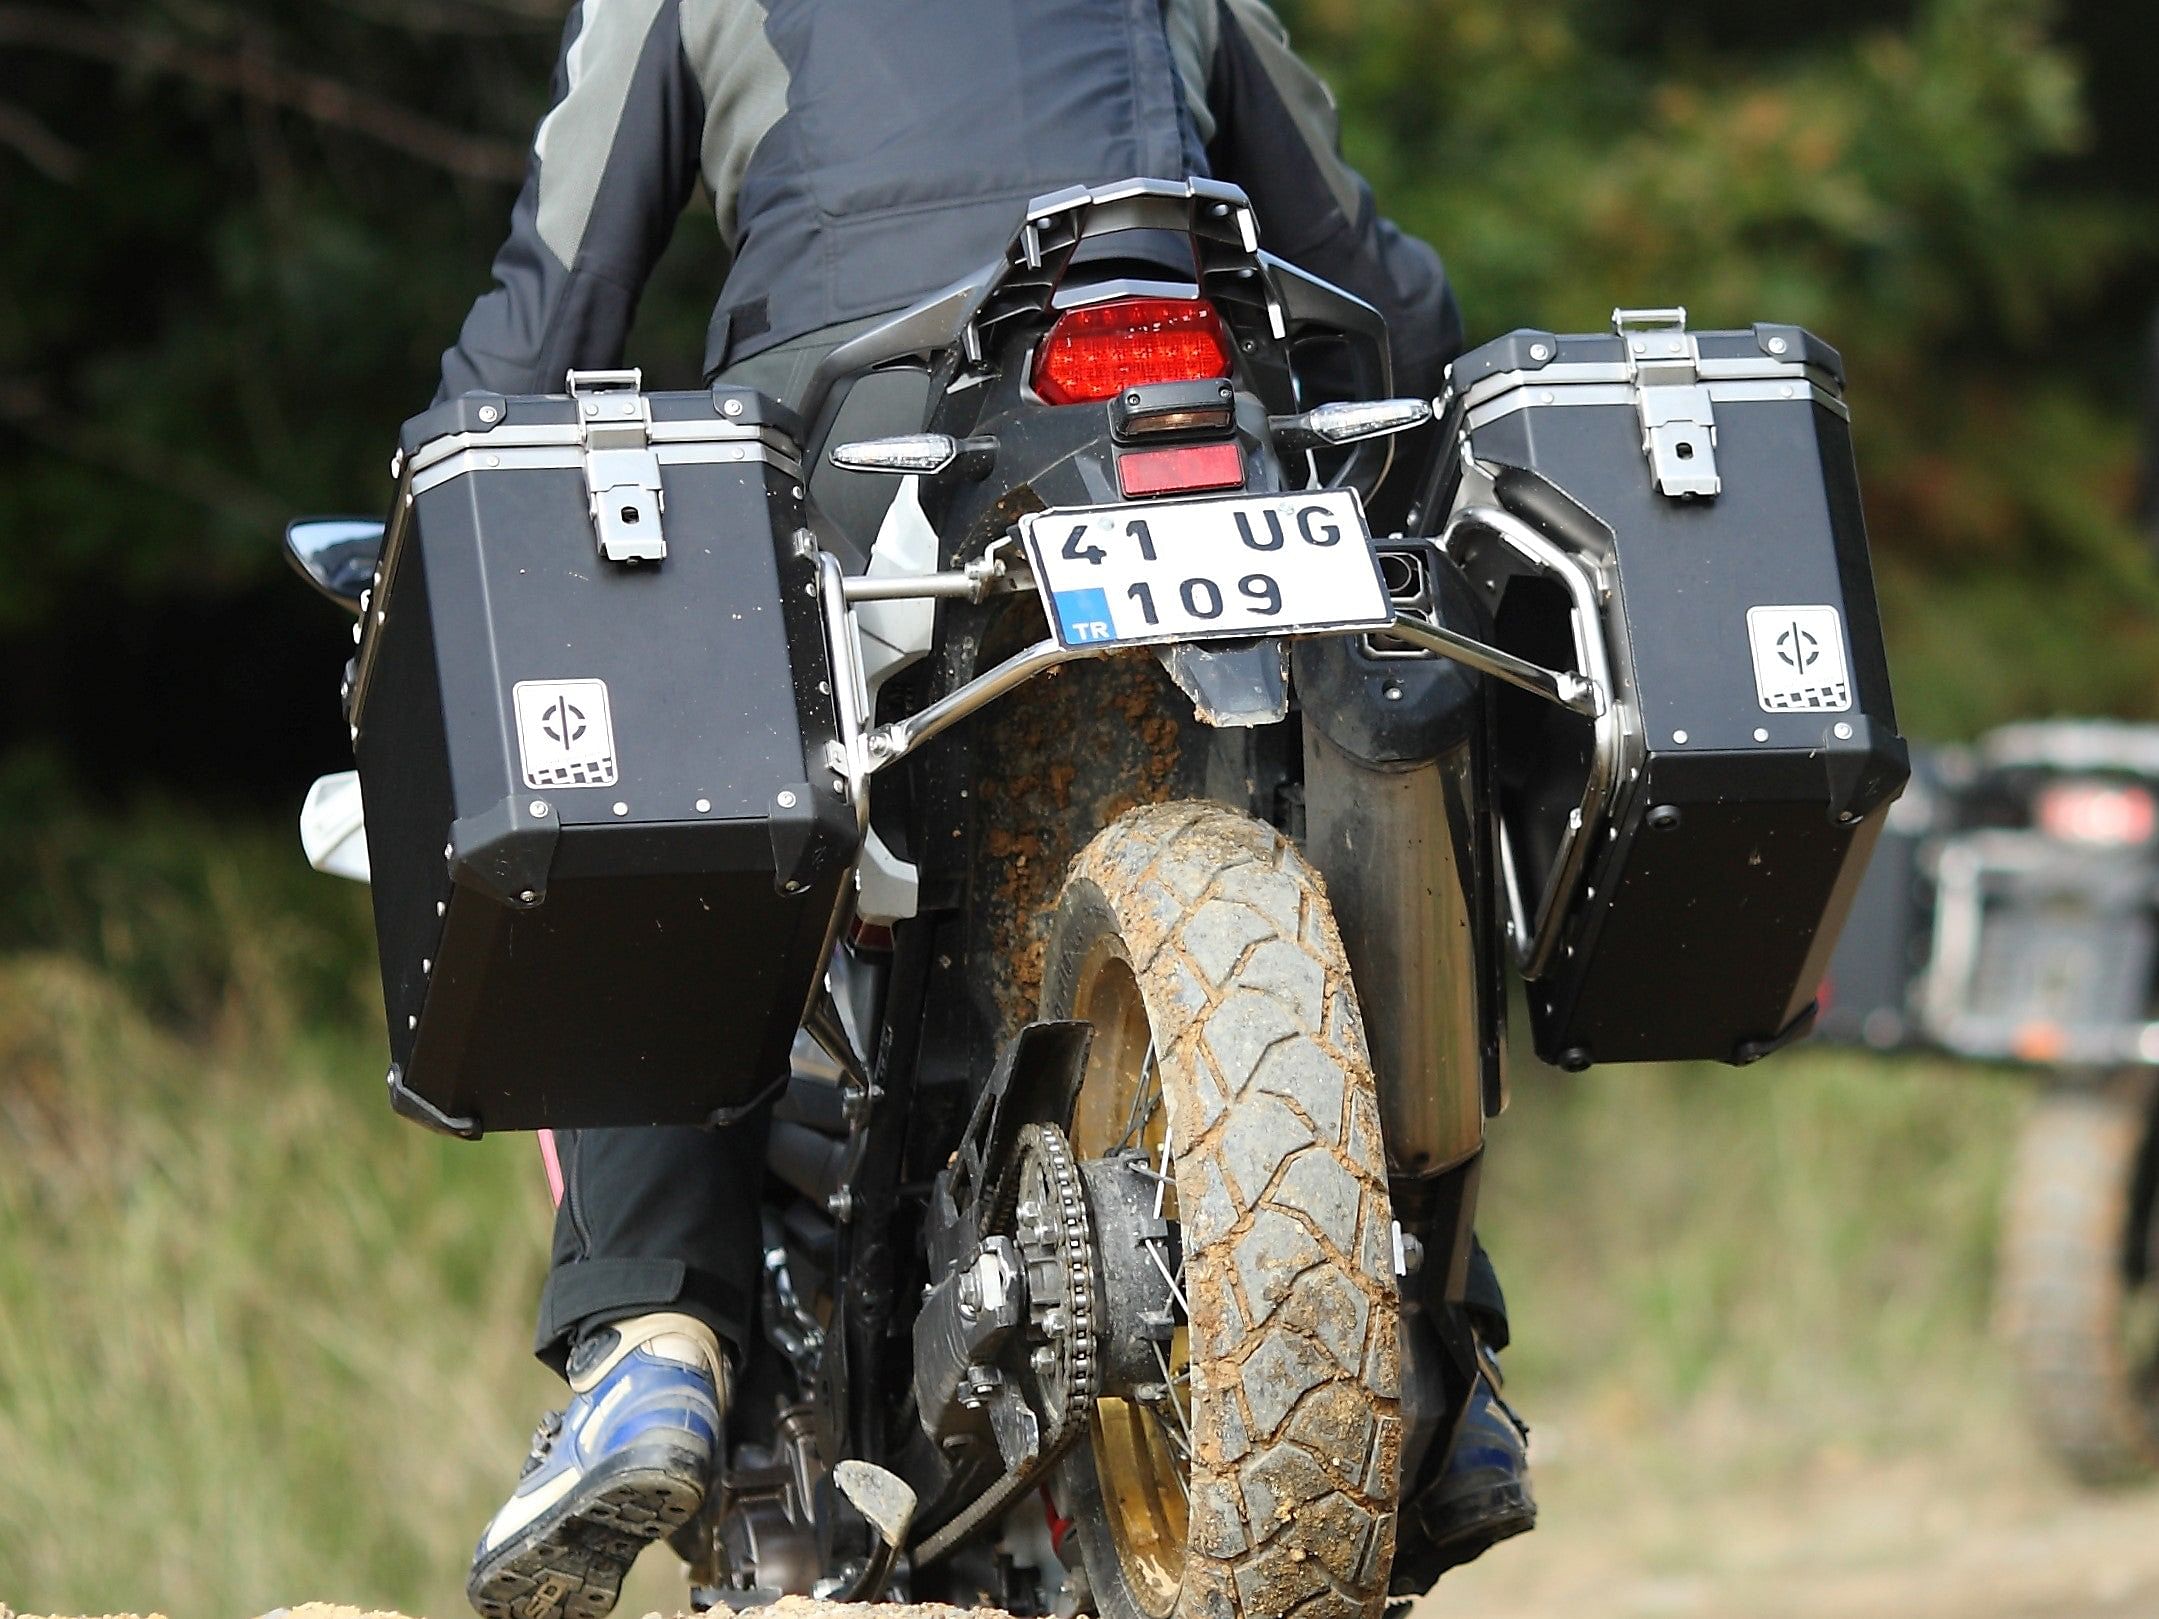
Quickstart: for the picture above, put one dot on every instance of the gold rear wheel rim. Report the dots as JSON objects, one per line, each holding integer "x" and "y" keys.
{"x": 1144, "y": 1480}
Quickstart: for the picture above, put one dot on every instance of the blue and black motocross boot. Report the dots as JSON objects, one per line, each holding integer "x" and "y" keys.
{"x": 1483, "y": 1497}
{"x": 626, "y": 1463}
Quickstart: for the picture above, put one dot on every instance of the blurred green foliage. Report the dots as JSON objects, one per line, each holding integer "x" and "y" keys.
{"x": 1915, "y": 183}
{"x": 238, "y": 232}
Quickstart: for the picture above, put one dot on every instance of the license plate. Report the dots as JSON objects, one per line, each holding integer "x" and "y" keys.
{"x": 1204, "y": 570}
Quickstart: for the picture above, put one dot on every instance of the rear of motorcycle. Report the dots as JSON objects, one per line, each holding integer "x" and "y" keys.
{"x": 2046, "y": 918}
{"x": 2010, "y": 916}
{"x": 1157, "y": 1367}
{"x": 1166, "y": 1314}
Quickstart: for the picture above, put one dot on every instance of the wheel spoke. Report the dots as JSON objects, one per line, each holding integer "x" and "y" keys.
{"x": 1146, "y": 1097}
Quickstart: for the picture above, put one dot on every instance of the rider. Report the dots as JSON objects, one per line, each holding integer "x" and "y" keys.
{"x": 860, "y": 154}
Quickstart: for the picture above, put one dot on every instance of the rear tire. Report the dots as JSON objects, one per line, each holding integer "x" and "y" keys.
{"x": 1228, "y": 1041}
{"x": 2078, "y": 1292}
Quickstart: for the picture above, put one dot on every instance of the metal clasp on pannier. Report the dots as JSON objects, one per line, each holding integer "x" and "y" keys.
{"x": 1679, "y": 426}
{"x": 622, "y": 474}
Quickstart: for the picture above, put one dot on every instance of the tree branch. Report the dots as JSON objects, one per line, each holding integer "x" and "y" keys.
{"x": 324, "y": 100}
{"x": 38, "y": 146}
{"x": 25, "y": 406}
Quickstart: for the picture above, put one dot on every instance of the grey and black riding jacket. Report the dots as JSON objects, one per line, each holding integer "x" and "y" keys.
{"x": 862, "y": 154}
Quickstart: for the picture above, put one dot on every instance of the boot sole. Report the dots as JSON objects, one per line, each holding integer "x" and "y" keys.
{"x": 1510, "y": 1511}
{"x": 569, "y": 1562}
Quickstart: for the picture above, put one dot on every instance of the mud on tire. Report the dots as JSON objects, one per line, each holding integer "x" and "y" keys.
{"x": 1219, "y": 939}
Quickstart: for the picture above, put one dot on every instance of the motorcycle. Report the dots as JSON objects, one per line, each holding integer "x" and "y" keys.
{"x": 1127, "y": 1048}
{"x": 2012, "y": 917}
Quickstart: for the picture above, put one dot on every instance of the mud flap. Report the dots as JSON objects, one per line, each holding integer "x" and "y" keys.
{"x": 1232, "y": 686}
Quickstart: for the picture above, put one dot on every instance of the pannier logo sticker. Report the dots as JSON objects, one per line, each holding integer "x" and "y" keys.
{"x": 1799, "y": 659}
{"x": 565, "y": 733}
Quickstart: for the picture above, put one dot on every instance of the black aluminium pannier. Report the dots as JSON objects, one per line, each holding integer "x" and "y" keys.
{"x": 592, "y": 713}
{"x": 1677, "y": 515}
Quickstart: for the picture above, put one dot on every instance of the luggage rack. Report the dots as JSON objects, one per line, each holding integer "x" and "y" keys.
{"x": 1534, "y": 929}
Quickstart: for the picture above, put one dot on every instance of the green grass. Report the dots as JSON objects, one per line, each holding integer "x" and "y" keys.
{"x": 260, "y": 1341}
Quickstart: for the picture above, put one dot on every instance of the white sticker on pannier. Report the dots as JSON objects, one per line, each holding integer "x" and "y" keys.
{"x": 565, "y": 734}
{"x": 1799, "y": 661}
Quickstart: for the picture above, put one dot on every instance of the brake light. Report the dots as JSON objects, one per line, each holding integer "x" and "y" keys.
{"x": 1096, "y": 352}
{"x": 2097, "y": 813}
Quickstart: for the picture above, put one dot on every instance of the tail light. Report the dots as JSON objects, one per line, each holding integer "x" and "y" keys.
{"x": 1097, "y": 352}
{"x": 2097, "y": 813}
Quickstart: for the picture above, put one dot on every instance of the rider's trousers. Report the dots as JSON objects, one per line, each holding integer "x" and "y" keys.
{"x": 664, "y": 1218}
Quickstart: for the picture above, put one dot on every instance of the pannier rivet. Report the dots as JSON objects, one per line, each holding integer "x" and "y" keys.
{"x": 1844, "y": 732}
{"x": 448, "y": 850}
{"x": 622, "y": 809}
{"x": 539, "y": 809}
{"x": 794, "y": 887}
{"x": 1760, "y": 735}
{"x": 413, "y": 1021}
{"x": 1640, "y": 347}
{"x": 592, "y": 407}
{"x": 494, "y": 460}
{"x": 1664, "y": 818}
{"x": 704, "y": 806}
{"x": 1788, "y": 390}
{"x": 441, "y": 907}
{"x": 1777, "y": 345}
{"x": 733, "y": 407}
{"x": 488, "y": 413}
{"x": 1540, "y": 351}
{"x": 1393, "y": 692}
{"x": 786, "y": 801}
{"x": 1680, "y": 737}
{"x": 1546, "y": 397}
{"x": 427, "y": 966}
{"x": 528, "y": 897}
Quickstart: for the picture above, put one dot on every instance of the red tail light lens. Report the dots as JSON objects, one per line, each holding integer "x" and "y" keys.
{"x": 2097, "y": 812}
{"x": 1095, "y": 352}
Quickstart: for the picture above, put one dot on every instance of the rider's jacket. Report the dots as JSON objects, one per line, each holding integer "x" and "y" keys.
{"x": 864, "y": 153}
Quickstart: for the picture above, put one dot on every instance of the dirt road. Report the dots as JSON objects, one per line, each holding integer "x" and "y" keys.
{"x": 1836, "y": 1540}
{"x": 1906, "y": 1540}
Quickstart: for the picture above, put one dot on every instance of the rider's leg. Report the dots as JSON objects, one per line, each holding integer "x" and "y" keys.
{"x": 650, "y": 1297}
{"x": 655, "y": 1219}
{"x": 657, "y": 1226}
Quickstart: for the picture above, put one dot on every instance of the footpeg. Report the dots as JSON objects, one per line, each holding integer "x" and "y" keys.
{"x": 885, "y": 1499}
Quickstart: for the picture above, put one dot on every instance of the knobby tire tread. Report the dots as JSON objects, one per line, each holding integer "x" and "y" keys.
{"x": 1280, "y": 1170}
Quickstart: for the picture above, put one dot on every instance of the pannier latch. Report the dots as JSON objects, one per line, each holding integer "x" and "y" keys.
{"x": 622, "y": 475}
{"x": 1679, "y": 428}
